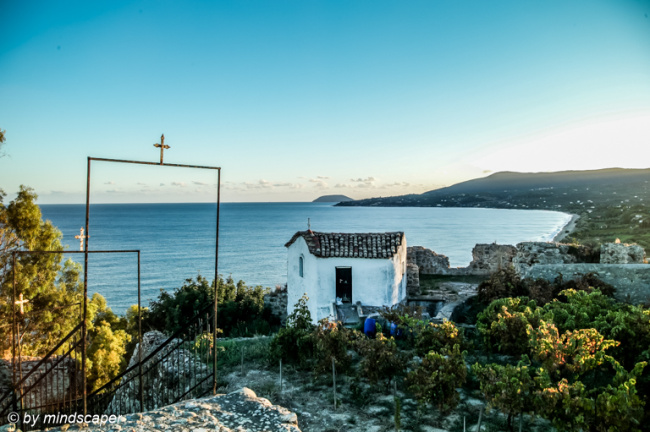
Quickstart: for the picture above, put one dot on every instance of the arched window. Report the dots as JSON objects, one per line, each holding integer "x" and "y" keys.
{"x": 301, "y": 266}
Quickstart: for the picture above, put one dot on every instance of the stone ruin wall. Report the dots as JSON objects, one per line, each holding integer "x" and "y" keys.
{"x": 624, "y": 266}
{"x": 277, "y": 300}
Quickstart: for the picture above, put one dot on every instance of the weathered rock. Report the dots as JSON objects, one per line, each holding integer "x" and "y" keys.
{"x": 488, "y": 258}
{"x": 427, "y": 260}
{"x": 277, "y": 300}
{"x": 240, "y": 411}
{"x": 619, "y": 253}
{"x": 165, "y": 376}
{"x": 531, "y": 253}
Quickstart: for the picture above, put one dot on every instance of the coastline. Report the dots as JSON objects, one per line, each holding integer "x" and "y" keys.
{"x": 566, "y": 229}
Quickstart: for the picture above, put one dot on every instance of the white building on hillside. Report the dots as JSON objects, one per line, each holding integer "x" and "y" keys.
{"x": 367, "y": 268}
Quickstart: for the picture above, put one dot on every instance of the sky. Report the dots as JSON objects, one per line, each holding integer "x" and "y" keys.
{"x": 295, "y": 99}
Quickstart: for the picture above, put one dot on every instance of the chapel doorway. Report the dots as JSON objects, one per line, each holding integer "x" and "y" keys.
{"x": 344, "y": 284}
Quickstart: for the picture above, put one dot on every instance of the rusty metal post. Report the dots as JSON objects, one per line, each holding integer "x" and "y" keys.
{"x": 216, "y": 287}
{"x": 216, "y": 258}
{"x": 85, "y": 297}
{"x": 14, "y": 334}
{"x": 141, "y": 389}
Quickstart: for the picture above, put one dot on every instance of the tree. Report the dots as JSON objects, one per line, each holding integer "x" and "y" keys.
{"x": 53, "y": 289}
{"x": 241, "y": 310}
{"x": 107, "y": 343}
{"x": 2, "y": 141}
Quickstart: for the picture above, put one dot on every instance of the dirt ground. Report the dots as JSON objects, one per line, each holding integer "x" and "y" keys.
{"x": 362, "y": 408}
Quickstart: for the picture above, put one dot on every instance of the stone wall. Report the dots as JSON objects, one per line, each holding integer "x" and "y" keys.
{"x": 412, "y": 279}
{"x": 64, "y": 382}
{"x": 277, "y": 301}
{"x": 618, "y": 253}
{"x": 488, "y": 258}
{"x": 632, "y": 281}
{"x": 427, "y": 260}
{"x": 165, "y": 377}
{"x": 531, "y": 253}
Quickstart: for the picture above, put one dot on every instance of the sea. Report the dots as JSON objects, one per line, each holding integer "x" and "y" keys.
{"x": 177, "y": 241}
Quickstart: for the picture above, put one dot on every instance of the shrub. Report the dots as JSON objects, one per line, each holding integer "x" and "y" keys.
{"x": 380, "y": 359}
{"x": 508, "y": 388}
{"x": 435, "y": 337}
{"x": 293, "y": 344}
{"x": 331, "y": 341}
{"x": 505, "y": 282}
{"x": 435, "y": 380}
{"x": 241, "y": 310}
{"x": 504, "y": 324}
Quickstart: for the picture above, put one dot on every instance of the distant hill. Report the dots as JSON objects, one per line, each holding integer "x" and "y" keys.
{"x": 563, "y": 190}
{"x": 333, "y": 198}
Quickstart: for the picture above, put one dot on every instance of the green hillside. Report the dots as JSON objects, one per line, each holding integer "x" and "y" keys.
{"x": 613, "y": 203}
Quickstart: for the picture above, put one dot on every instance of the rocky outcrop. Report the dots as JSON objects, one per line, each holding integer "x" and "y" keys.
{"x": 165, "y": 376}
{"x": 240, "y": 411}
{"x": 619, "y": 253}
{"x": 276, "y": 301}
{"x": 488, "y": 258}
{"x": 427, "y": 260}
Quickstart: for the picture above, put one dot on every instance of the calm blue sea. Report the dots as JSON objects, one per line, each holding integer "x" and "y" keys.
{"x": 177, "y": 241}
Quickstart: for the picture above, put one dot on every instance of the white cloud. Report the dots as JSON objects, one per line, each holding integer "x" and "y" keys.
{"x": 179, "y": 184}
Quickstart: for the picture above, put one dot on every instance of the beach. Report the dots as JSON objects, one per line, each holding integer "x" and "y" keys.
{"x": 567, "y": 229}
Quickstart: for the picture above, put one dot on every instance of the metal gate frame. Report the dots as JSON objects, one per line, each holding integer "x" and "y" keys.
{"x": 86, "y": 251}
{"x": 19, "y": 381}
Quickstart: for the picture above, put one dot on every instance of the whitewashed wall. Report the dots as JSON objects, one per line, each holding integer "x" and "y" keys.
{"x": 375, "y": 282}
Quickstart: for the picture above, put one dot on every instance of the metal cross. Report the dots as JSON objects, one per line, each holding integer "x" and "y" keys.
{"x": 81, "y": 238}
{"x": 21, "y": 302}
{"x": 162, "y": 147}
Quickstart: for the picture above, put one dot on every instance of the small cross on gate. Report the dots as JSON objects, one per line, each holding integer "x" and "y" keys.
{"x": 21, "y": 302}
{"x": 81, "y": 238}
{"x": 162, "y": 147}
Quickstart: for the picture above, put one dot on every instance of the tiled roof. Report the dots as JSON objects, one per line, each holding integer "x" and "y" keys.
{"x": 355, "y": 245}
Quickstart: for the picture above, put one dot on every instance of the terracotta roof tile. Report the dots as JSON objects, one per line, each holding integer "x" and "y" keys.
{"x": 350, "y": 245}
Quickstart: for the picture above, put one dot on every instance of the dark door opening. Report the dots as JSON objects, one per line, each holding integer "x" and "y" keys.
{"x": 344, "y": 284}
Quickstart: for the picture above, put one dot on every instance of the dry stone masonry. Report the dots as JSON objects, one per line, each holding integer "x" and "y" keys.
{"x": 164, "y": 374}
{"x": 624, "y": 266}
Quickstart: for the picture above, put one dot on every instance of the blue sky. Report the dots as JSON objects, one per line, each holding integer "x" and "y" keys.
{"x": 296, "y": 99}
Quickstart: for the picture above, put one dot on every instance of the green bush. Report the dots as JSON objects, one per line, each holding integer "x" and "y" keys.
{"x": 580, "y": 387}
{"x": 241, "y": 310}
{"x": 504, "y": 324}
{"x": 435, "y": 380}
{"x": 508, "y": 388}
{"x": 505, "y": 282}
{"x": 294, "y": 344}
{"x": 381, "y": 360}
{"x": 256, "y": 350}
{"x": 435, "y": 337}
{"x": 331, "y": 341}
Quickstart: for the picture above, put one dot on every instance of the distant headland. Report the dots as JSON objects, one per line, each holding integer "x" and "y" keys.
{"x": 333, "y": 198}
